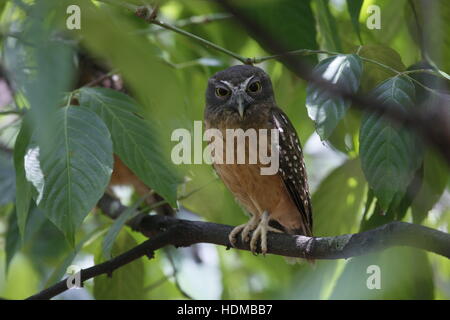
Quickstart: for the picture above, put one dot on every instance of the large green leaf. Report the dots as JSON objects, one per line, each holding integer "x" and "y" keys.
{"x": 374, "y": 73}
{"x": 71, "y": 173}
{"x": 354, "y": 9}
{"x": 389, "y": 154}
{"x": 135, "y": 140}
{"x": 291, "y": 22}
{"x": 126, "y": 282}
{"x": 326, "y": 110}
{"x": 337, "y": 202}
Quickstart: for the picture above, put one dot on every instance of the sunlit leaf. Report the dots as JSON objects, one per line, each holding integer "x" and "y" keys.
{"x": 326, "y": 110}
{"x": 71, "y": 176}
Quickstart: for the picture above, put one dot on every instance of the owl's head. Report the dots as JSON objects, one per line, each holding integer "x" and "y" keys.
{"x": 238, "y": 92}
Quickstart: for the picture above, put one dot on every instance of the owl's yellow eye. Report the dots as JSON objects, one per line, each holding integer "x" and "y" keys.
{"x": 222, "y": 92}
{"x": 254, "y": 87}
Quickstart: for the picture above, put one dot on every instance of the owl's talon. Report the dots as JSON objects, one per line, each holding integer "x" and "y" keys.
{"x": 260, "y": 227}
{"x": 244, "y": 229}
{"x": 261, "y": 234}
{"x": 249, "y": 227}
{"x": 233, "y": 234}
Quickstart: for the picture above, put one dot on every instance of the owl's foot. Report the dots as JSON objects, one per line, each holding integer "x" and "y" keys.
{"x": 261, "y": 234}
{"x": 244, "y": 230}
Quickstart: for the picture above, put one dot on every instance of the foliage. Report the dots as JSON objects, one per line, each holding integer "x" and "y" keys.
{"x": 119, "y": 86}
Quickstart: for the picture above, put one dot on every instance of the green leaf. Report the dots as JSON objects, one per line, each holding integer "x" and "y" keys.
{"x": 405, "y": 273}
{"x": 7, "y": 179}
{"x": 71, "y": 173}
{"x": 135, "y": 140}
{"x": 435, "y": 178}
{"x": 338, "y": 200}
{"x": 126, "y": 282}
{"x": 114, "y": 230}
{"x": 328, "y": 27}
{"x": 13, "y": 238}
{"x": 374, "y": 74}
{"x": 291, "y": 22}
{"x": 23, "y": 187}
{"x": 326, "y": 110}
{"x": 354, "y": 9}
{"x": 389, "y": 154}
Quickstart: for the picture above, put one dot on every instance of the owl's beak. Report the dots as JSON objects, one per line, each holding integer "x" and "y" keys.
{"x": 241, "y": 108}
{"x": 242, "y": 101}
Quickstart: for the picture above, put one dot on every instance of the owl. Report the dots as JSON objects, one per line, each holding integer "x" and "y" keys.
{"x": 241, "y": 97}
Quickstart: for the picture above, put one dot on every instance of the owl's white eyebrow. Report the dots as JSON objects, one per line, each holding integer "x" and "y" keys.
{"x": 228, "y": 84}
{"x": 245, "y": 83}
{"x": 242, "y": 85}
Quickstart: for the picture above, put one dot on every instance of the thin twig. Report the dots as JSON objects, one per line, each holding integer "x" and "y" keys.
{"x": 201, "y": 40}
{"x": 101, "y": 78}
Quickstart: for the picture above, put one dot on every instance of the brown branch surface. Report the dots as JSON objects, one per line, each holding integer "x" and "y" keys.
{"x": 183, "y": 233}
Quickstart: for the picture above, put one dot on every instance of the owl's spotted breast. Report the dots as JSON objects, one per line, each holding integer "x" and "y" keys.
{"x": 256, "y": 192}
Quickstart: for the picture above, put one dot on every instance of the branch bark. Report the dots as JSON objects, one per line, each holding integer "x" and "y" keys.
{"x": 183, "y": 233}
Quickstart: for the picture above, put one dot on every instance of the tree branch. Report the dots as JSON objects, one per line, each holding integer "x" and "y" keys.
{"x": 183, "y": 233}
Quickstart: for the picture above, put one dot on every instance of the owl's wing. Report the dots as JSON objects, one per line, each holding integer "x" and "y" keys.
{"x": 292, "y": 168}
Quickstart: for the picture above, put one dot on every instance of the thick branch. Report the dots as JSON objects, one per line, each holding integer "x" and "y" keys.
{"x": 182, "y": 233}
